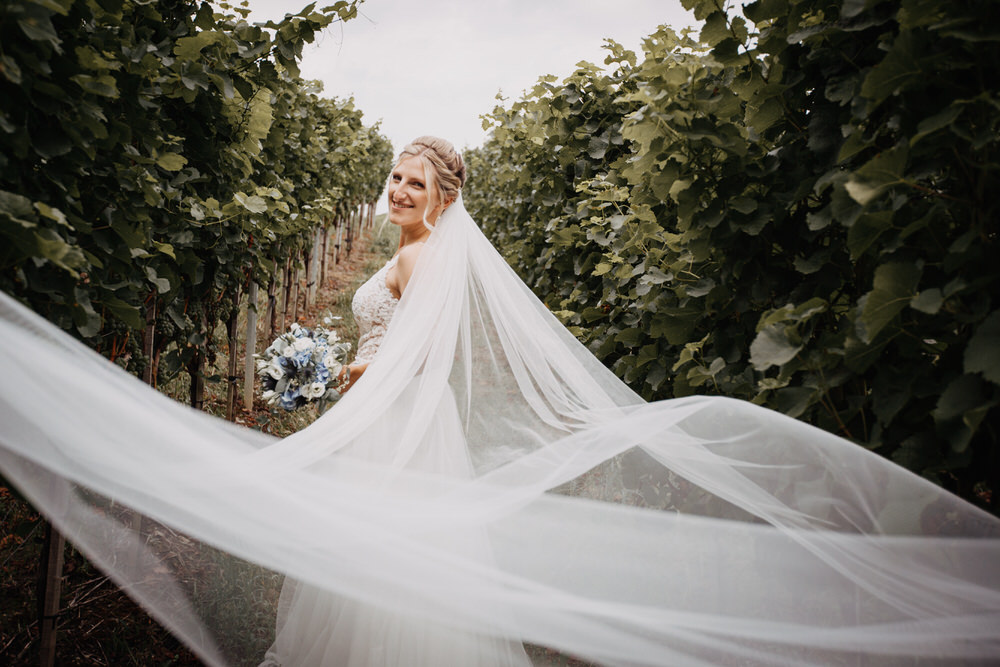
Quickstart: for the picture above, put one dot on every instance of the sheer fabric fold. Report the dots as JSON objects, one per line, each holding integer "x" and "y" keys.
{"x": 487, "y": 477}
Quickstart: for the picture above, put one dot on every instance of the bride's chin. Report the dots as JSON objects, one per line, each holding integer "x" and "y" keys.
{"x": 404, "y": 218}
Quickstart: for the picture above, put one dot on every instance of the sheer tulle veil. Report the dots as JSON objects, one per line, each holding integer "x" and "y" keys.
{"x": 488, "y": 475}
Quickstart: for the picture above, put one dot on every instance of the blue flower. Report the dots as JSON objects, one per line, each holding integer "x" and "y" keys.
{"x": 289, "y": 400}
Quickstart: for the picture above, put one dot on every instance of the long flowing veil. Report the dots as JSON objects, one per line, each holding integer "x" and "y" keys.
{"x": 489, "y": 475}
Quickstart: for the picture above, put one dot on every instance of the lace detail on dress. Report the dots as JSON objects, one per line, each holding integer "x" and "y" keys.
{"x": 373, "y": 306}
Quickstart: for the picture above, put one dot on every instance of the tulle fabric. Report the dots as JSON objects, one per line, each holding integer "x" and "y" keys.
{"x": 487, "y": 482}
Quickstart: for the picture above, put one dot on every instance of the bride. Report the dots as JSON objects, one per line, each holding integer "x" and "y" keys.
{"x": 486, "y": 481}
{"x": 315, "y": 627}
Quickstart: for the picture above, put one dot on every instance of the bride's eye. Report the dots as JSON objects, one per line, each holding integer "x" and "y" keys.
{"x": 396, "y": 178}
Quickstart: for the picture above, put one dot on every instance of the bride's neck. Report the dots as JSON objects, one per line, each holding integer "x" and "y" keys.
{"x": 415, "y": 234}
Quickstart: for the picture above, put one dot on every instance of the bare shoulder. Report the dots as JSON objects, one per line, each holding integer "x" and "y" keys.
{"x": 399, "y": 275}
{"x": 407, "y": 258}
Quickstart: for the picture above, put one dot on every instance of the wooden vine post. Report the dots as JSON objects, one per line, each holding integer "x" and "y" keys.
{"x": 197, "y": 387}
{"x": 312, "y": 270}
{"x": 350, "y": 233}
{"x": 295, "y": 294}
{"x": 249, "y": 367}
{"x": 271, "y": 314}
{"x": 148, "y": 334}
{"x": 286, "y": 302}
{"x": 49, "y": 591}
{"x": 336, "y": 245}
{"x": 325, "y": 237}
{"x": 232, "y": 331}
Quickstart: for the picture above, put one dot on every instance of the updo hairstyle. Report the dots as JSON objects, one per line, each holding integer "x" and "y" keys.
{"x": 442, "y": 164}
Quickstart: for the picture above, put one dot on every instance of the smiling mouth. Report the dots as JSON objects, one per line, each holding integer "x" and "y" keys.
{"x": 402, "y": 205}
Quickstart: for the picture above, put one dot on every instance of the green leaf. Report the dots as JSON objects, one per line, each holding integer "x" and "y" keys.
{"x": 103, "y": 85}
{"x": 963, "y": 394}
{"x": 675, "y": 327}
{"x": 771, "y": 347}
{"x": 630, "y": 337}
{"x": 899, "y": 68}
{"x": 881, "y": 172}
{"x": 189, "y": 48}
{"x": 51, "y": 213}
{"x": 598, "y": 147}
{"x": 162, "y": 284}
{"x": 929, "y": 301}
{"x": 89, "y": 58}
{"x": 793, "y": 401}
{"x": 866, "y": 230}
{"x": 126, "y": 312}
{"x": 762, "y": 116}
{"x": 895, "y": 286}
{"x": 15, "y": 205}
{"x": 252, "y": 203}
{"x": 851, "y": 8}
{"x": 744, "y": 205}
{"x": 51, "y": 143}
{"x": 716, "y": 28}
{"x": 171, "y": 161}
{"x": 794, "y": 313}
{"x": 761, "y": 10}
{"x": 982, "y": 354}
{"x": 861, "y": 192}
{"x": 854, "y": 144}
{"x": 939, "y": 120}
{"x": 165, "y": 248}
{"x": 86, "y": 319}
{"x": 58, "y": 6}
{"x": 38, "y": 27}
{"x": 54, "y": 248}
{"x": 10, "y": 69}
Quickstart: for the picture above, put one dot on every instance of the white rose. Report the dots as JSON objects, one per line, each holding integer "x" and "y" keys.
{"x": 295, "y": 327}
{"x": 315, "y": 390}
{"x": 289, "y": 351}
{"x": 303, "y": 344}
{"x": 262, "y": 364}
{"x": 275, "y": 370}
{"x": 333, "y": 366}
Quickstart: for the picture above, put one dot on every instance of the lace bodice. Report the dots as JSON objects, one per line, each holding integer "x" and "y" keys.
{"x": 373, "y": 306}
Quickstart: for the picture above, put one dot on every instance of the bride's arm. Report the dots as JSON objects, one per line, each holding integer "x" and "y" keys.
{"x": 351, "y": 372}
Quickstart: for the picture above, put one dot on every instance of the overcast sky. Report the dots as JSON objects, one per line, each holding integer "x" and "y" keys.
{"x": 435, "y": 66}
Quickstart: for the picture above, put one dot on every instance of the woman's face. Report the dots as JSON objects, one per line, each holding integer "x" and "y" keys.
{"x": 409, "y": 194}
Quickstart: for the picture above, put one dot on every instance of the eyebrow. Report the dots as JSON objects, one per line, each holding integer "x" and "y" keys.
{"x": 418, "y": 181}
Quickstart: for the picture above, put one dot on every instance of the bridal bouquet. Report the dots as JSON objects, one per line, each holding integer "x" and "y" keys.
{"x": 302, "y": 366}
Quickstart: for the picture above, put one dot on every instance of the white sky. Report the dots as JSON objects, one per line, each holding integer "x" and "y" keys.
{"x": 434, "y": 66}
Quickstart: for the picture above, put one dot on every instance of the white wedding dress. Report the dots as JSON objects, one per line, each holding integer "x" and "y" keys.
{"x": 316, "y": 628}
{"x": 488, "y": 482}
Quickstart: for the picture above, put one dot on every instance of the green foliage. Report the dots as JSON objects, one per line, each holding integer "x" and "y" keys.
{"x": 794, "y": 209}
{"x": 164, "y": 154}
